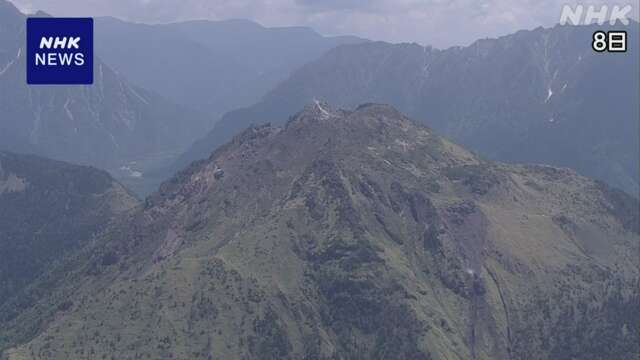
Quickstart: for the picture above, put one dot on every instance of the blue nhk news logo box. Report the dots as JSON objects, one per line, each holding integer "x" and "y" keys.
{"x": 59, "y": 51}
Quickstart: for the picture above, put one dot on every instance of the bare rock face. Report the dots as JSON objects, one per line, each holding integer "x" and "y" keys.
{"x": 12, "y": 184}
{"x": 525, "y": 97}
{"x": 352, "y": 235}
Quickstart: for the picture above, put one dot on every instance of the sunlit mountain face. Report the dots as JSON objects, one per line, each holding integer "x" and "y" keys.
{"x": 361, "y": 226}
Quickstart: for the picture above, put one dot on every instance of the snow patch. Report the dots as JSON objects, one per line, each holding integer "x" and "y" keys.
{"x": 549, "y": 95}
{"x": 4, "y": 70}
{"x": 140, "y": 97}
{"x": 67, "y": 110}
{"x": 113, "y": 140}
{"x": 426, "y": 65}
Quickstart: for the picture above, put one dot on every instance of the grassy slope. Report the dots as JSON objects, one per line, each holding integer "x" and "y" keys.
{"x": 356, "y": 236}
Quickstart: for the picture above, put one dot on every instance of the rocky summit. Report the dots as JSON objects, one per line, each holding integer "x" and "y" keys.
{"x": 538, "y": 96}
{"x": 350, "y": 235}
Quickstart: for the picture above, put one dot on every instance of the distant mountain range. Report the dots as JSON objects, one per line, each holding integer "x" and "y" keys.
{"x": 348, "y": 235}
{"x": 541, "y": 96}
{"x": 48, "y": 209}
{"x": 211, "y": 66}
{"x": 157, "y": 89}
{"x": 329, "y": 233}
{"x": 109, "y": 124}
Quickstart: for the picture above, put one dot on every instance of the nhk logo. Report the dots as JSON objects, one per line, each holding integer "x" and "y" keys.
{"x": 57, "y": 58}
{"x": 582, "y": 15}
{"x": 59, "y": 51}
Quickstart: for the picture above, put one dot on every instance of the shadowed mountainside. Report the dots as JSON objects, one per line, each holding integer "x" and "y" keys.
{"x": 47, "y": 210}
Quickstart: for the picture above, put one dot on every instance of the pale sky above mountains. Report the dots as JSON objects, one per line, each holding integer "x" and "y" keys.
{"x": 440, "y": 23}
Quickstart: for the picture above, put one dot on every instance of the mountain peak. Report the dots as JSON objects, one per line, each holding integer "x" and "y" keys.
{"x": 317, "y": 110}
{"x": 468, "y": 95}
{"x": 322, "y": 110}
{"x": 364, "y": 227}
{"x": 41, "y": 13}
{"x": 320, "y": 132}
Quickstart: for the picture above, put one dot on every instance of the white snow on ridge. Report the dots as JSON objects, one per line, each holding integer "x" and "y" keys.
{"x": 67, "y": 110}
{"x": 140, "y": 97}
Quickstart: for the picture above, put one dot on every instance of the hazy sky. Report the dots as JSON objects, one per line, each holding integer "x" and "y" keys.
{"x": 441, "y": 23}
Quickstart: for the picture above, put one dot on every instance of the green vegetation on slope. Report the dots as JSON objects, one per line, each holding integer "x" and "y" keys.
{"x": 351, "y": 235}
